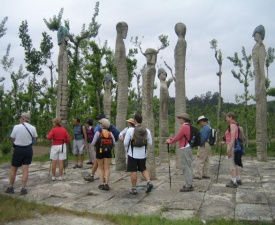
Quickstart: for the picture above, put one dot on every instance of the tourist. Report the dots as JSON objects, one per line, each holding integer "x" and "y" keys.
{"x": 23, "y": 136}
{"x": 104, "y": 142}
{"x": 204, "y": 150}
{"x": 90, "y": 136}
{"x": 230, "y": 135}
{"x": 137, "y": 155}
{"x": 59, "y": 136}
{"x": 185, "y": 151}
{"x": 80, "y": 143}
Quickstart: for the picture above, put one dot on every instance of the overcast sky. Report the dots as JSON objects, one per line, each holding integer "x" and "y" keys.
{"x": 231, "y": 22}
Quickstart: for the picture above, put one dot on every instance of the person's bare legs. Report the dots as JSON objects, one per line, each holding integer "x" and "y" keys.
{"x": 101, "y": 170}
{"x": 81, "y": 159}
{"x": 13, "y": 172}
{"x": 146, "y": 175}
{"x": 54, "y": 167}
{"x": 134, "y": 179}
{"x": 25, "y": 171}
{"x": 107, "y": 163}
{"x": 61, "y": 167}
{"x": 76, "y": 159}
{"x": 94, "y": 168}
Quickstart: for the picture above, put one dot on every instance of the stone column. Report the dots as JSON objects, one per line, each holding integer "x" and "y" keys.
{"x": 62, "y": 87}
{"x": 122, "y": 90}
{"x": 107, "y": 96}
{"x": 148, "y": 79}
{"x": 180, "y": 98}
{"x": 163, "y": 114}
{"x": 258, "y": 56}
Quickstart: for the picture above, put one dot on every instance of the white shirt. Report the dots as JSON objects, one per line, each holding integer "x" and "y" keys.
{"x": 21, "y": 135}
{"x": 138, "y": 152}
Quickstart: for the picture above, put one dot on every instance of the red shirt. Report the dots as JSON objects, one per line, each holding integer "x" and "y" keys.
{"x": 182, "y": 136}
{"x": 59, "y": 135}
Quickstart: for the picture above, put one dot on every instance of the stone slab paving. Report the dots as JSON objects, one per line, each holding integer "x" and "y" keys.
{"x": 254, "y": 200}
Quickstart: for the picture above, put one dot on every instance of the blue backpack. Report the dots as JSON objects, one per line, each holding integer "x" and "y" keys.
{"x": 114, "y": 131}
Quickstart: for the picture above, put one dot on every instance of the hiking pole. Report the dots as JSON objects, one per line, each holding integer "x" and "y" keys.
{"x": 219, "y": 162}
{"x": 169, "y": 164}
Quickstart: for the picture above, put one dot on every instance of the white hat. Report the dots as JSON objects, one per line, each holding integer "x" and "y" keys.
{"x": 105, "y": 123}
{"x": 26, "y": 116}
{"x": 202, "y": 118}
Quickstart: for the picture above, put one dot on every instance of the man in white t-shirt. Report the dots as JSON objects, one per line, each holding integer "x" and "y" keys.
{"x": 137, "y": 155}
{"x": 23, "y": 136}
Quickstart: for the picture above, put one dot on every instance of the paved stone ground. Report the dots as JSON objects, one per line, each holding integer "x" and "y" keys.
{"x": 254, "y": 200}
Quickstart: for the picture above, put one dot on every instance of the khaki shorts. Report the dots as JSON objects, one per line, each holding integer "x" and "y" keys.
{"x": 78, "y": 147}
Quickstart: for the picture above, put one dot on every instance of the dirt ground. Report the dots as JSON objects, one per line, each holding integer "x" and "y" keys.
{"x": 40, "y": 150}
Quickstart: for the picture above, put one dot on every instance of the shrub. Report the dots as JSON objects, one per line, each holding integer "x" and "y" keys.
{"x": 6, "y": 148}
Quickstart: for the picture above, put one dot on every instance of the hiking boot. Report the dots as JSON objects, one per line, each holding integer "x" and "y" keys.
{"x": 53, "y": 178}
{"x": 89, "y": 178}
{"x": 23, "y": 191}
{"x": 10, "y": 190}
{"x": 133, "y": 191}
{"x": 106, "y": 187}
{"x": 205, "y": 177}
{"x": 239, "y": 182}
{"x": 80, "y": 166}
{"x": 149, "y": 187}
{"x": 75, "y": 166}
{"x": 186, "y": 189}
{"x": 101, "y": 187}
{"x": 231, "y": 184}
{"x": 197, "y": 178}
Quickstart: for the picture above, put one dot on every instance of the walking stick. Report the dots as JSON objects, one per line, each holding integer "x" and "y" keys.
{"x": 219, "y": 163}
{"x": 169, "y": 164}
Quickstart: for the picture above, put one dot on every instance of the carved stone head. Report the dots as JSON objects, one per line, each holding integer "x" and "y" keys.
{"x": 107, "y": 80}
{"x": 162, "y": 71}
{"x": 260, "y": 30}
{"x": 122, "y": 29}
{"x": 151, "y": 56}
{"x": 180, "y": 29}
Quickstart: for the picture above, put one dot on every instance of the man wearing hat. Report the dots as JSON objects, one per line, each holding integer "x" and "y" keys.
{"x": 202, "y": 162}
{"x": 23, "y": 136}
{"x": 185, "y": 151}
{"x": 137, "y": 154}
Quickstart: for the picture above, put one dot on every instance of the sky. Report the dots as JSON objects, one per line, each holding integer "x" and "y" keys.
{"x": 230, "y": 22}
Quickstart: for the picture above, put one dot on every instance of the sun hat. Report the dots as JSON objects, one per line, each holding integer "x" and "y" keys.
{"x": 202, "y": 118}
{"x": 131, "y": 120}
{"x": 26, "y": 116}
{"x": 105, "y": 123}
{"x": 184, "y": 116}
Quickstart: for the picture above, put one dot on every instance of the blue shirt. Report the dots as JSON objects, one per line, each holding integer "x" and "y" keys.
{"x": 205, "y": 134}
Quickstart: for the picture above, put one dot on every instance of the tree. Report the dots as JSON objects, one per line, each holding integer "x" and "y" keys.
{"x": 219, "y": 59}
{"x": 244, "y": 76}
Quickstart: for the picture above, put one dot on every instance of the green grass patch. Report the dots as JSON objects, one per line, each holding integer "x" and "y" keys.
{"x": 15, "y": 208}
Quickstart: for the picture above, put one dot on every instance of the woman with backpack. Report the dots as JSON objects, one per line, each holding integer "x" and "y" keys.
{"x": 90, "y": 136}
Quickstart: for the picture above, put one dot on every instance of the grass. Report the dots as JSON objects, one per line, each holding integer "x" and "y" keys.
{"x": 15, "y": 208}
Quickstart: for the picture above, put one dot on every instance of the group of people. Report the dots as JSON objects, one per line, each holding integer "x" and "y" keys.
{"x": 204, "y": 150}
{"x": 100, "y": 141}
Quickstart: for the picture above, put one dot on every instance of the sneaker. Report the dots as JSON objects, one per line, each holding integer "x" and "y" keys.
{"x": 75, "y": 166}
{"x": 239, "y": 182}
{"x": 80, "y": 166}
{"x": 231, "y": 184}
{"x": 205, "y": 177}
{"x": 198, "y": 178}
{"x": 133, "y": 191}
{"x": 23, "y": 191}
{"x": 53, "y": 178}
{"x": 60, "y": 178}
{"x": 149, "y": 187}
{"x": 89, "y": 178}
{"x": 106, "y": 187}
{"x": 90, "y": 163}
{"x": 10, "y": 190}
{"x": 101, "y": 187}
{"x": 187, "y": 189}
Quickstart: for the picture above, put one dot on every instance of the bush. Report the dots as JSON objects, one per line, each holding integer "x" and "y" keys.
{"x": 6, "y": 148}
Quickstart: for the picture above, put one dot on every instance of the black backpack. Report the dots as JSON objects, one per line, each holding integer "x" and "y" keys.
{"x": 195, "y": 137}
{"x": 138, "y": 142}
{"x": 213, "y": 137}
{"x": 114, "y": 131}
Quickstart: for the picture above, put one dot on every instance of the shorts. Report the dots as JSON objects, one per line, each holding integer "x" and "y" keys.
{"x": 78, "y": 147}
{"x": 135, "y": 165}
{"x": 56, "y": 152}
{"x": 22, "y": 155}
{"x": 107, "y": 155}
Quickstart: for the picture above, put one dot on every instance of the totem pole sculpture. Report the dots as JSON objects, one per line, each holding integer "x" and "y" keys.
{"x": 62, "y": 88}
{"x": 258, "y": 56}
{"x": 122, "y": 90}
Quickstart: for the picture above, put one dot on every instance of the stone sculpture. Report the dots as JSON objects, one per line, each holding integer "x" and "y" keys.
{"x": 163, "y": 114}
{"x": 122, "y": 90}
{"x": 148, "y": 79}
{"x": 180, "y": 97}
{"x": 62, "y": 88}
{"x": 258, "y": 56}
{"x": 107, "y": 97}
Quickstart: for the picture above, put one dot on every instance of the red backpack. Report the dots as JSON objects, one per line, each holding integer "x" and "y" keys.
{"x": 105, "y": 141}
{"x": 90, "y": 134}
